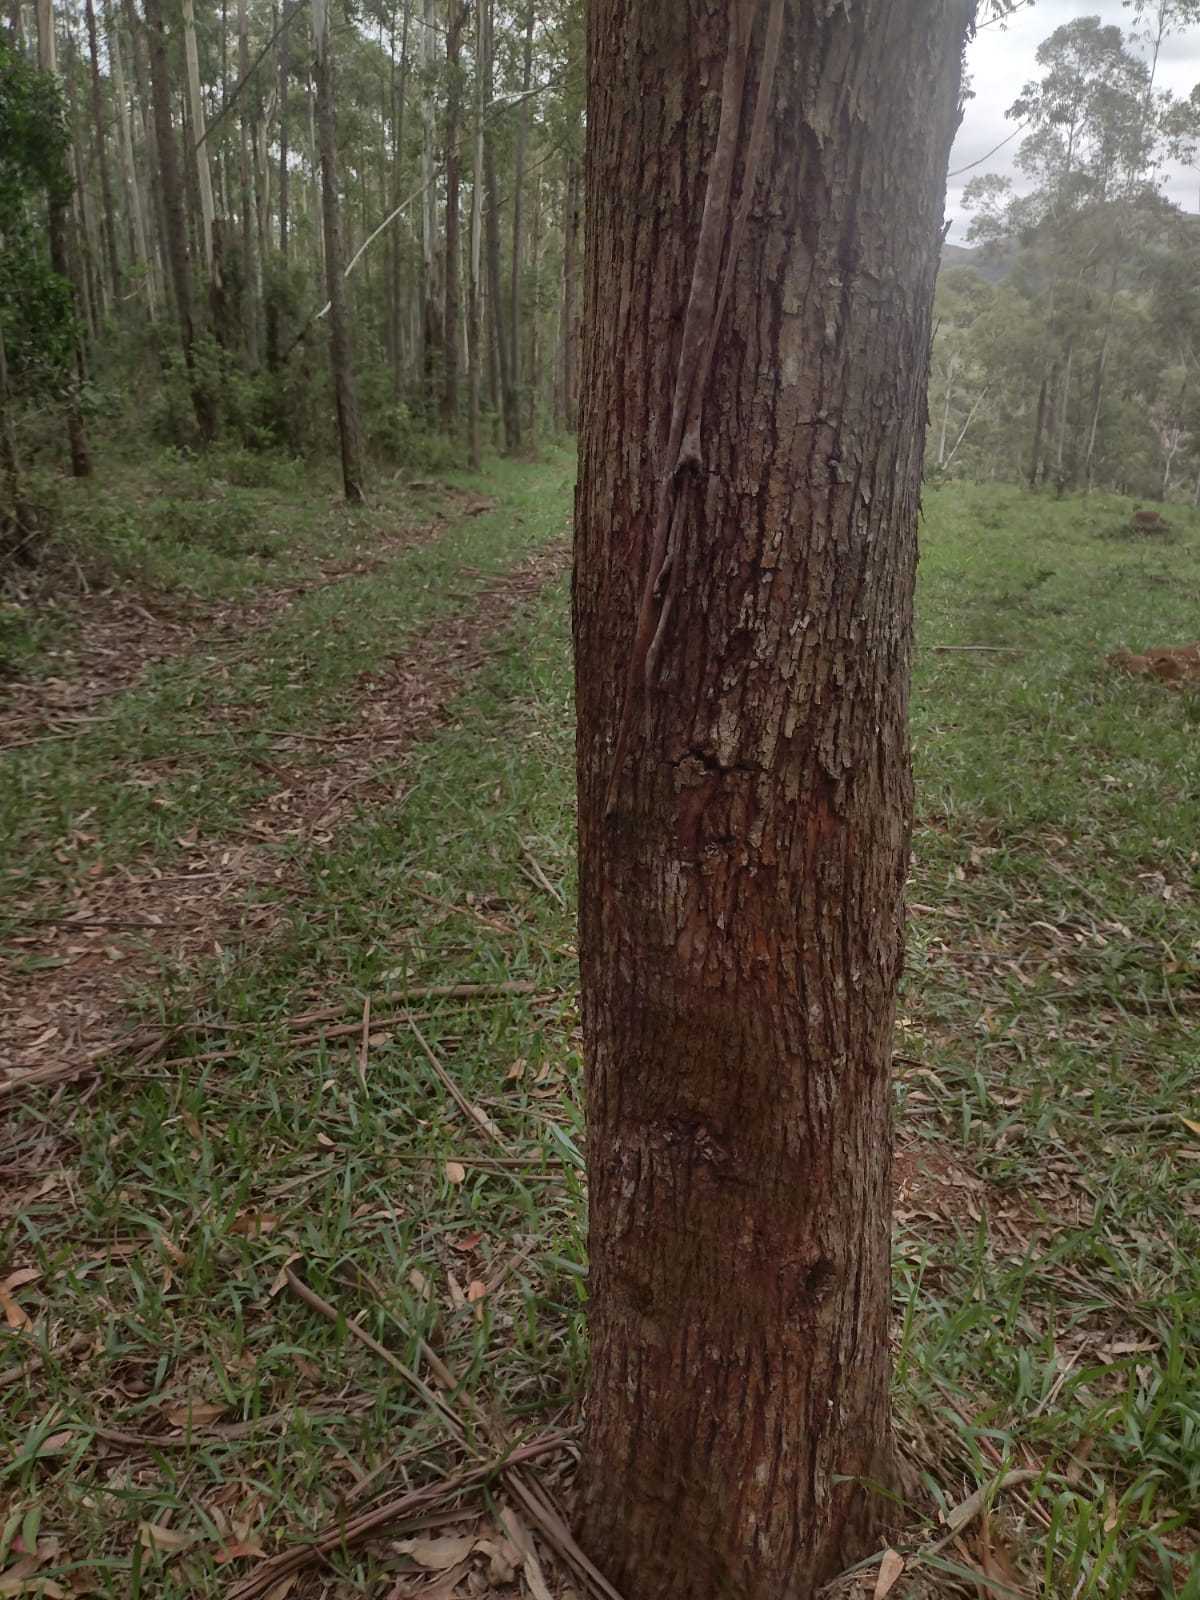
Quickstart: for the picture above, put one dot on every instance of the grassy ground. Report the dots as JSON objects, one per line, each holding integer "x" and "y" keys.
{"x": 1047, "y": 1290}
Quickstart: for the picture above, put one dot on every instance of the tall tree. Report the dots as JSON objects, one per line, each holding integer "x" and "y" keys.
{"x": 518, "y": 218}
{"x": 758, "y": 320}
{"x": 138, "y": 244}
{"x": 475, "y": 287}
{"x": 453, "y": 313}
{"x": 108, "y": 216}
{"x": 171, "y": 183}
{"x": 508, "y": 394}
{"x": 341, "y": 355}
{"x": 199, "y": 142}
{"x": 56, "y": 211}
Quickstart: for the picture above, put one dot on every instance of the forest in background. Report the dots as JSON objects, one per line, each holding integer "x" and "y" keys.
{"x": 1066, "y": 351}
{"x": 281, "y": 229}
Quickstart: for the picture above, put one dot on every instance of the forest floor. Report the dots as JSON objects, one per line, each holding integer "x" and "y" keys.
{"x": 290, "y": 1177}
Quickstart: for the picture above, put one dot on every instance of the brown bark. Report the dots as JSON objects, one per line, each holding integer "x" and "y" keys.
{"x": 569, "y": 335}
{"x": 246, "y": 141}
{"x": 173, "y": 214}
{"x": 475, "y": 259}
{"x": 284, "y": 71}
{"x": 741, "y": 897}
{"x": 340, "y": 353}
{"x": 108, "y": 217}
{"x": 453, "y": 304}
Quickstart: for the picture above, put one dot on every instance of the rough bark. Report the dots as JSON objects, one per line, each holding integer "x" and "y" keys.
{"x": 246, "y": 140}
{"x": 284, "y": 72}
{"x": 171, "y": 184}
{"x": 570, "y": 297}
{"x": 108, "y": 213}
{"x": 341, "y": 356}
{"x": 741, "y": 916}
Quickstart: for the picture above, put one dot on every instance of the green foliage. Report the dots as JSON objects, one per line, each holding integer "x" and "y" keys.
{"x": 36, "y": 318}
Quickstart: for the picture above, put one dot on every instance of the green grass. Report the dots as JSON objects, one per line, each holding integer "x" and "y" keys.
{"x": 1047, "y": 1284}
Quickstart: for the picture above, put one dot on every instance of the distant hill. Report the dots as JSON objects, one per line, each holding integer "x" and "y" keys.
{"x": 991, "y": 261}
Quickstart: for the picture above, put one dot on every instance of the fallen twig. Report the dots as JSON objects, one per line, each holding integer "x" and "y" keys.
{"x": 39, "y": 1358}
{"x": 472, "y": 1113}
{"x": 353, "y": 1530}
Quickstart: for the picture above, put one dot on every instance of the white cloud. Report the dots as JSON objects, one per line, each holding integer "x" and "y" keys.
{"x": 1001, "y": 60}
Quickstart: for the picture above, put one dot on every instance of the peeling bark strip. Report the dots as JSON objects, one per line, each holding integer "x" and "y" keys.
{"x": 754, "y": 409}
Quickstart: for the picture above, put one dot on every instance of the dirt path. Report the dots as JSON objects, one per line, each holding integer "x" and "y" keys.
{"x": 127, "y": 924}
{"x": 121, "y": 635}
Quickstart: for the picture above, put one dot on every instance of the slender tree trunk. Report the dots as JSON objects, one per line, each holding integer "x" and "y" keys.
{"x": 84, "y": 248}
{"x": 18, "y": 522}
{"x": 570, "y": 331}
{"x": 155, "y": 218}
{"x": 534, "y": 366}
{"x": 451, "y": 320}
{"x": 396, "y": 232}
{"x": 508, "y": 395}
{"x": 514, "y": 308}
{"x": 196, "y": 109}
{"x": 432, "y": 317}
{"x": 1063, "y": 414}
{"x": 284, "y": 69}
{"x": 744, "y": 789}
{"x": 246, "y": 135}
{"x": 139, "y": 248}
{"x": 57, "y": 208}
{"x": 1039, "y": 427}
{"x": 941, "y": 455}
{"x": 341, "y": 355}
{"x": 475, "y": 317}
{"x": 176, "y": 224}
{"x": 108, "y": 211}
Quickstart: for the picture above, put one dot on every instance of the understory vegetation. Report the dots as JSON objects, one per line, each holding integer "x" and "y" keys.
{"x": 311, "y": 862}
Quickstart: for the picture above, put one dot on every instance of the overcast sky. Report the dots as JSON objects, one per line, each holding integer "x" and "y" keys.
{"x": 1001, "y": 61}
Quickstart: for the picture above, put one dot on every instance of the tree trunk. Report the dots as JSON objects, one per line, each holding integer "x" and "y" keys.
{"x": 77, "y": 442}
{"x": 1039, "y": 427}
{"x": 172, "y": 193}
{"x": 284, "y": 70}
{"x": 508, "y": 395}
{"x": 744, "y": 786}
{"x": 431, "y": 315}
{"x": 139, "y": 245}
{"x": 396, "y": 275}
{"x": 246, "y": 136}
{"x": 458, "y": 15}
{"x": 514, "y": 307}
{"x": 108, "y": 217}
{"x": 533, "y": 380}
{"x": 570, "y": 326}
{"x": 475, "y": 293}
{"x": 196, "y": 109}
{"x": 341, "y": 356}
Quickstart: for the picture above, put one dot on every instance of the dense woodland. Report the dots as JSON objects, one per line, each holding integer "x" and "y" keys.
{"x": 259, "y": 221}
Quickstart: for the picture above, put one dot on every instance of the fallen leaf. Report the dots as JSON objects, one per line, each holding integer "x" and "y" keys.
{"x": 517, "y": 1071}
{"x": 43, "y": 1587}
{"x": 455, "y": 1172}
{"x": 53, "y": 1444}
{"x": 238, "y": 1551}
{"x": 438, "y": 1555}
{"x": 476, "y": 1290}
{"x": 23, "y": 1275}
{"x": 153, "y": 1536}
{"x": 419, "y": 1282}
{"x": 254, "y": 1224}
{"x": 503, "y": 1559}
{"x": 193, "y": 1415}
{"x": 325, "y": 1142}
{"x": 890, "y": 1569}
{"x": 1194, "y": 1127}
{"x": 13, "y": 1314}
{"x": 519, "y": 1534}
{"x": 279, "y": 1282}
{"x": 467, "y": 1242}
{"x": 284, "y": 1587}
